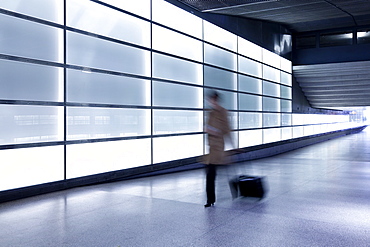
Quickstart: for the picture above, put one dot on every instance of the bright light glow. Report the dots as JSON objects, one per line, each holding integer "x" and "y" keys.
{"x": 219, "y": 36}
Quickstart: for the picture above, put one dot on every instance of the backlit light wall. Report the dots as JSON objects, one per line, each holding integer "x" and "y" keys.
{"x": 88, "y": 87}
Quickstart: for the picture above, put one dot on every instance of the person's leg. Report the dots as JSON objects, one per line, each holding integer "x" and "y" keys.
{"x": 210, "y": 185}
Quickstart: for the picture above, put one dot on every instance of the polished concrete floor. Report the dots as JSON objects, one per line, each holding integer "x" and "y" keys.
{"x": 317, "y": 196}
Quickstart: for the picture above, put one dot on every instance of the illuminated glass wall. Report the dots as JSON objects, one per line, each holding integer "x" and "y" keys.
{"x": 88, "y": 87}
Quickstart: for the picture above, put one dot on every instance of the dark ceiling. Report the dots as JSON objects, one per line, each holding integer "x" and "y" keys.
{"x": 329, "y": 86}
{"x": 297, "y": 15}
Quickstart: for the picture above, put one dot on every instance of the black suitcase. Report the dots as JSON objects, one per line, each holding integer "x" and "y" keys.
{"x": 248, "y": 186}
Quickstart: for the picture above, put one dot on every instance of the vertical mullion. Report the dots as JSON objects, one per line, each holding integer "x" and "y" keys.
{"x": 65, "y": 87}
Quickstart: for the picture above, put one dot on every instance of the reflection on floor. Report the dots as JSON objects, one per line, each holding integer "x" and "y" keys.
{"x": 317, "y": 196}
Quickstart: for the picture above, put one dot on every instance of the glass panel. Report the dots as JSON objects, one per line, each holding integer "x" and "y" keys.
{"x": 250, "y": 84}
{"x": 297, "y": 119}
{"x": 93, "y": 158}
{"x": 271, "y": 74}
{"x": 250, "y": 102}
{"x": 174, "y": 95}
{"x": 172, "y": 148}
{"x": 286, "y": 105}
{"x": 250, "y": 138}
{"x": 219, "y": 36}
{"x": 90, "y": 123}
{"x": 271, "y": 135}
{"x": 171, "y": 68}
{"x": 363, "y": 36}
{"x": 23, "y": 81}
{"x": 248, "y": 120}
{"x": 271, "y": 120}
{"x": 249, "y": 49}
{"x": 30, "y": 124}
{"x": 219, "y": 57}
{"x": 286, "y": 133}
{"x": 336, "y": 39}
{"x": 271, "y": 58}
{"x": 271, "y": 104}
{"x": 31, "y": 40}
{"x": 271, "y": 89}
{"x": 106, "y": 89}
{"x": 250, "y": 67}
{"x": 176, "y": 18}
{"x": 233, "y": 120}
{"x": 141, "y": 7}
{"x": 30, "y": 166}
{"x": 286, "y": 78}
{"x": 306, "y": 42}
{"x": 102, "y": 54}
{"x": 92, "y": 17}
{"x": 286, "y": 65}
{"x": 219, "y": 78}
{"x": 171, "y": 122}
{"x": 228, "y": 100}
{"x": 297, "y": 131}
{"x": 51, "y": 10}
{"x": 286, "y": 119}
{"x": 177, "y": 44}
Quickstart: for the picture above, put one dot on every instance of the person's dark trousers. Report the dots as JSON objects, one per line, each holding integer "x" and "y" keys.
{"x": 210, "y": 183}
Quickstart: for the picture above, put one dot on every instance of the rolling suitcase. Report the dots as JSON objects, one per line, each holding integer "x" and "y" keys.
{"x": 248, "y": 186}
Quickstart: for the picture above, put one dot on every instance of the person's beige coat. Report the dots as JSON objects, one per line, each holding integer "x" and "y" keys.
{"x": 217, "y": 128}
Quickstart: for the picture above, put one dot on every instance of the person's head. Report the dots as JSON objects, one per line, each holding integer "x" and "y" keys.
{"x": 213, "y": 98}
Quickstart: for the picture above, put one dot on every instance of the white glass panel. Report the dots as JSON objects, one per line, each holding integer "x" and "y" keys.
{"x": 286, "y": 105}
{"x": 219, "y": 78}
{"x": 297, "y": 132}
{"x": 286, "y": 92}
{"x": 177, "y": 147}
{"x": 250, "y": 84}
{"x": 286, "y": 78}
{"x": 271, "y": 104}
{"x": 177, "y": 44}
{"x": 32, "y": 40}
{"x": 286, "y": 133}
{"x": 271, "y": 89}
{"x": 271, "y": 135}
{"x": 90, "y": 123}
{"x": 51, "y": 10}
{"x": 249, "y": 49}
{"x": 250, "y": 67}
{"x": 228, "y": 100}
{"x": 249, "y": 138}
{"x": 174, "y": 95}
{"x": 92, "y": 17}
{"x": 219, "y": 57}
{"x": 30, "y": 124}
{"x": 93, "y": 158}
{"x": 166, "y": 67}
{"x": 286, "y": 65}
{"x": 271, "y": 74}
{"x": 170, "y": 122}
{"x": 141, "y": 7}
{"x": 271, "y": 58}
{"x": 233, "y": 120}
{"x": 219, "y": 36}
{"x": 308, "y": 130}
{"x": 102, "y": 54}
{"x": 176, "y": 18}
{"x": 30, "y": 166}
{"x": 23, "y": 81}
{"x": 286, "y": 119}
{"x": 271, "y": 120}
{"x": 106, "y": 89}
{"x": 250, "y": 120}
{"x": 250, "y": 102}
{"x": 297, "y": 119}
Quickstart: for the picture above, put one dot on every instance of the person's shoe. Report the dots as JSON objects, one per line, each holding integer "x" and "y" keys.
{"x": 209, "y": 205}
